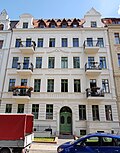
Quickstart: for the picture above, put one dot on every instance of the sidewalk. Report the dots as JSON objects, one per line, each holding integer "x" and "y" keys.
{"x": 48, "y": 146}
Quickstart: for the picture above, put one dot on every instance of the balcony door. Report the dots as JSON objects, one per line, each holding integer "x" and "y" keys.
{"x": 90, "y": 42}
{"x": 26, "y": 62}
{"x": 91, "y": 62}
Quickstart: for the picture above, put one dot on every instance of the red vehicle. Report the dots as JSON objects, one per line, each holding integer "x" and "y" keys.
{"x": 16, "y": 132}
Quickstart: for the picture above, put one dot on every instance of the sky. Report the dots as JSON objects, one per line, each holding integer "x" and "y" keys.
{"x": 48, "y": 9}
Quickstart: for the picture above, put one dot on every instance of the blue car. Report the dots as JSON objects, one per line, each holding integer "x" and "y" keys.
{"x": 92, "y": 143}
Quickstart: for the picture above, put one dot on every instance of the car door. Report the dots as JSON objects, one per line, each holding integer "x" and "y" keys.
{"x": 89, "y": 145}
{"x": 109, "y": 145}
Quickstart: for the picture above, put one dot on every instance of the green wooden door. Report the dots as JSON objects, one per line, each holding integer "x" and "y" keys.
{"x": 66, "y": 123}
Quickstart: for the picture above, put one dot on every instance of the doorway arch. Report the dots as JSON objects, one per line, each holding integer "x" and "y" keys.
{"x": 65, "y": 120}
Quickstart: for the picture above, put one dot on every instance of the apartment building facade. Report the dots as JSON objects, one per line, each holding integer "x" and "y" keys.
{"x": 113, "y": 25}
{"x": 60, "y": 70}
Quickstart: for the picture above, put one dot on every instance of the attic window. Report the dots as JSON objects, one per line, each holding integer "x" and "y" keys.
{"x": 93, "y": 24}
{"x": 52, "y": 25}
{"x": 25, "y": 25}
{"x": 64, "y": 25}
{"x": 75, "y": 25}
{"x": 1, "y": 26}
{"x": 41, "y": 26}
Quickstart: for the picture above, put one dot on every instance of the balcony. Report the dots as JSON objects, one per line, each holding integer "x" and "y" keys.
{"x": 91, "y": 47}
{"x": 93, "y": 69}
{"x": 27, "y": 47}
{"x": 25, "y": 68}
{"x": 95, "y": 93}
{"x": 22, "y": 92}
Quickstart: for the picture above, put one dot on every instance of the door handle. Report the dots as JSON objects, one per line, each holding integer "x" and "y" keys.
{"x": 116, "y": 151}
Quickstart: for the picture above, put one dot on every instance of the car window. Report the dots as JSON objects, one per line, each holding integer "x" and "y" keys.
{"x": 107, "y": 141}
{"x": 92, "y": 141}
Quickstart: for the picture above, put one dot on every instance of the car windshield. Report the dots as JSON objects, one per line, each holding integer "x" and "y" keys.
{"x": 72, "y": 142}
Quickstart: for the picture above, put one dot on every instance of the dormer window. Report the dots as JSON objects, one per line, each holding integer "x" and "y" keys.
{"x": 1, "y": 26}
{"x": 52, "y": 25}
{"x": 75, "y": 25}
{"x": 25, "y": 25}
{"x": 41, "y": 26}
{"x": 64, "y": 25}
{"x": 93, "y": 24}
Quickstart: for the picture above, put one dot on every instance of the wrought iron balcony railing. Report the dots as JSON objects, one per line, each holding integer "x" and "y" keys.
{"x": 28, "y": 44}
{"x": 93, "y": 43}
{"x": 22, "y": 91}
{"x": 25, "y": 66}
{"x": 95, "y": 92}
{"x": 92, "y": 66}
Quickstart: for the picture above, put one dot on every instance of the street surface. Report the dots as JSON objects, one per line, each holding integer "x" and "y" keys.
{"x": 47, "y": 147}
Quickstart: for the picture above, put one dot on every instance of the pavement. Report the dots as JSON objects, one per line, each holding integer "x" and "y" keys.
{"x": 47, "y": 147}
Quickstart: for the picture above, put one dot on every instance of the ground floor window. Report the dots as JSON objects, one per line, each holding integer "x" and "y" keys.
{"x": 20, "y": 108}
{"x": 35, "y": 110}
{"x": 8, "y": 108}
{"x": 49, "y": 111}
{"x": 95, "y": 112}
{"x": 108, "y": 112}
{"x": 82, "y": 132}
{"x": 82, "y": 112}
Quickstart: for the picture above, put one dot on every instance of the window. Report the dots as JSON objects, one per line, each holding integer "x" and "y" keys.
{"x": 75, "y": 42}
{"x": 26, "y": 63}
{"x": 50, "y": 85}
{"x": 37, "y": 83}
{"x": 25, "y": 25}
{"x": 91, "y": 63}
{"x": 40, "y": 42}
{"x": 64, "y": 85}
{"x": 1, "y": 26}
{"x": 15, "y": 62}
{"x": 92, "y": 141}
{"x": 116, "y": 38}
{"x": 41, "y": 25}
{"x": 64, "y": 42}
{"x": 52, "y": 25}
{"x": 11, "y": 84}
{"x": 49, "y": 111}
{"x": 95, "y": 112}
{"x": 18, "y": 43}
{"x": 8, "y": 108}
{"x": 23, "y": 82}
{"x": 82, "y": 132}
{"x": 35, "y": 110}
{"x": 93, "y": 24}
{"x": 89, "y": 42}
{"x": 77, "y": 87}
{"x": 103, "y": 63}
{"x": 1, "y": 44}
{"x": 76, "y": 62}
{"x": 38, "y": 62}
{"x": 64, "y": 25}
{"x": 119, "y": 60}
{"x": 100, "y": 42}
{"x": 51, "y": 62}
{"x": 64, "y": 62}
{"x": 82, "y": 112}
{"x": 108, "y": 112}
{"x": 20, "y": 108}
{"x": 52, "y": 42}
{"x": 105, "y": 85}
{"x": 28, "y": 42}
